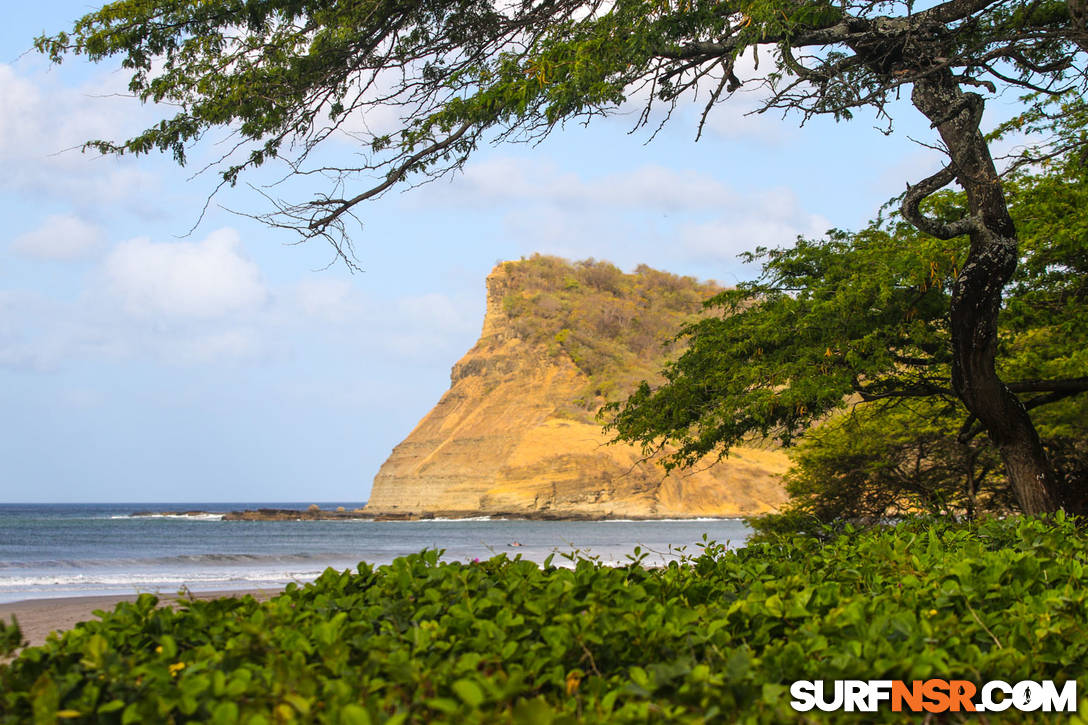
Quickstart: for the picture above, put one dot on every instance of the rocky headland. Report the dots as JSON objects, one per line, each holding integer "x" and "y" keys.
{"x": 517, "y": 434}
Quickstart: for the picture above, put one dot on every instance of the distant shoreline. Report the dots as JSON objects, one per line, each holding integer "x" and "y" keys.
{"x": 315, "y": 513}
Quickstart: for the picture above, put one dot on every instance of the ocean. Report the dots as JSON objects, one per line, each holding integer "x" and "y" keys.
{"x": 62, "y": 550}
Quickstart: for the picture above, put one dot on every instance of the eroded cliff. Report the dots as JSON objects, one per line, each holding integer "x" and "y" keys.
{"x": 516, "y": 434}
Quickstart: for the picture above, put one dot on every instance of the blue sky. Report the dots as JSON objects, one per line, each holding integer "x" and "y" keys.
{"x": 141, "y": 362}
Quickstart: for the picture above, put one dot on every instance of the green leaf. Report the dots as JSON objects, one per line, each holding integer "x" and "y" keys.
{"x": 443, "y": 704}
{"x": 469, "y": 692}
{"x": 111, "y": 706}
{"x": 94, "y": 651}
{"x": 354, "y": 715}
{"x": 225, "y": 713}
{"x": 301, "y": 704}
{"x": 533, "y": 712}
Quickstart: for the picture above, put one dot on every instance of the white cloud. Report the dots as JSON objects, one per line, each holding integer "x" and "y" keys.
{"x": 80, "y": 397}
{"x": 205, "y": 279}
{"x": 42, "y": 126}
{"x": 770, "y": 218}
{"x": 60, "y": 237}
{"x": 625, "y": 239}
{"x": 723, "y": 240}
{"x": 18, "y": 112}
{"x": 203, "y": 304}
{"x": 733, "y": 117}
{"x": 211, "y": 347}
{"x": 736, "y": 118}
{"x": 413, "y": 328}
{"x": 429, "y": 326}
{"x": 650, "y": 214}
{"x": 326, "y": 299}
{"x": 650, "y": 187}
{"x": 39, "y": 333}
{"x": 432, "y": 309}
{"x": 368, "y": 121}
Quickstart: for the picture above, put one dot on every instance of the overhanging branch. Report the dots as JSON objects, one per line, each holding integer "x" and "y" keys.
{"x": 397, "y": 173}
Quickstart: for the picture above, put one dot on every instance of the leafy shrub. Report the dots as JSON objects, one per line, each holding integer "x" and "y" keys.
{"x": 873, "y": 463}
{"x": 717, "y": 637}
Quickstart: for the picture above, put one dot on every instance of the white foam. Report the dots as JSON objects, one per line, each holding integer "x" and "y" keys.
{"x": 187, "y": 517}
{"x": 442, "y": 520}
{"x": 17, "y": 588}
{"x": 670, "y": 521}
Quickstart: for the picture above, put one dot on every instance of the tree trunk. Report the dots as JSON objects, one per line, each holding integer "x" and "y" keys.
{"x": 976, "y": 297}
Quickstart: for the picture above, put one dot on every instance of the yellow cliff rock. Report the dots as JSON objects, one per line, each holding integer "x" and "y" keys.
{"x": 516, "y": 432}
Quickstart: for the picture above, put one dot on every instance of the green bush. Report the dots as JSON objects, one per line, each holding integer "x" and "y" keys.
{"x": 717, "y": 637}
{"x": 617, "y": 328}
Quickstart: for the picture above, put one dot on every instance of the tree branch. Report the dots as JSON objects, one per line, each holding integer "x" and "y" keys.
{"x": 396, "y": 174}
{"x": 1069, "y": 386}
{"x": 933, "y": 227}
{"x": 1055, "y": 390}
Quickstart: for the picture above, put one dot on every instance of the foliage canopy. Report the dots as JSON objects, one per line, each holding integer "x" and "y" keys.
{"x": 863, "y": 316}
{"x": 856, "y": 327}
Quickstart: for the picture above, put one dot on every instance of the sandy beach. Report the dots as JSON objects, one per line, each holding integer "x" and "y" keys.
{"x": 38, "y": 617}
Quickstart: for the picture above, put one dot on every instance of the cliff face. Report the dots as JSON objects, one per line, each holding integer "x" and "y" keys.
{"x": 515, "y": 432}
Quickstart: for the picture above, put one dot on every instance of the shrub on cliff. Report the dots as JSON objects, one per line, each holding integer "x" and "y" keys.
{"x": 718, "y": 637}
{"x": 616, "y": 327}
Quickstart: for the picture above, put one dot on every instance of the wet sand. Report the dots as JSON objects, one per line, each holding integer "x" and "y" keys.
{"x": 38, "y": 617}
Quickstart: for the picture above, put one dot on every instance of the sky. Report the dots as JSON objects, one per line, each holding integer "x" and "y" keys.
{"x": 143, "y": 358}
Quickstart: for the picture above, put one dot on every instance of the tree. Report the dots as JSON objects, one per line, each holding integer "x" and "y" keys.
{"x": 881, "y": 462}
{"x": 855, "y": 328}
{"x": 285, "y": 74}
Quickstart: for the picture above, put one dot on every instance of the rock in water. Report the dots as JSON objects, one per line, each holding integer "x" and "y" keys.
{"x": 516, "y": 433}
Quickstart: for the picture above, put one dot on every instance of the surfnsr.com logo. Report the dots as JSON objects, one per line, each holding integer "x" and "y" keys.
{"x": 932, "y": 696}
